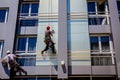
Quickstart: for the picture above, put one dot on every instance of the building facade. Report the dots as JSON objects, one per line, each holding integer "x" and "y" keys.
{"x": 86, "y": 38}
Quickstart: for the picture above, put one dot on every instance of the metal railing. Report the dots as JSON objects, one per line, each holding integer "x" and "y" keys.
{"x": 96, "y": 59}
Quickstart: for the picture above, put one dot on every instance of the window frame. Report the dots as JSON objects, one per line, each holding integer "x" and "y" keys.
{"x": 26, "y": 51}
{"x": 97, "y": 6}
{"x": 98, "y": 58}
{"x": 6, "y": 15}
{"x": 100, "y": 43}
{"x": 100, "y": 17}
{"x": 1, "y": 48}
{"x": 101, "y": 20}
{"x": 26, "y": 60}
{"x": 35, "y": 21}
{"x": 29, "y": 10}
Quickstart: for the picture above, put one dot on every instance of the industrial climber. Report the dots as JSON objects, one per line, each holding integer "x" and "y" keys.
{"x": 10, "y": 60}
{"x": 48, "y": 40}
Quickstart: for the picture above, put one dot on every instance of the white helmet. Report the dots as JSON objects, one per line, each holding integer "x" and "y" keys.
{"x": 8, "y": 51}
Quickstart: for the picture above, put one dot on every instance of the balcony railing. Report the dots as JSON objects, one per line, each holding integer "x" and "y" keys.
{"x": 99, "y": 20}
{"x": 94, "y": 59}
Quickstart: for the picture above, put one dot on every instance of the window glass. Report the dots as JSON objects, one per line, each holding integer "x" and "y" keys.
{"x": 21, "y": 44}
{"x": 25, "y": 9}
{"x": 101, "y": 8}
{"x": 32, "y": 44}
{"x": 27, "y": 44}
{"x": 3, "y": 15}
{"x": 94, "y": 43}
{"x": 34, "y": 9}
{"x": 118, "y": 5}
{"x": 26, "y": 60}
{"x": 91, "y": 8}
{"x": 105, "y": 43}
{"x": 1, "y": 48}
{"x": 29, "y": 23}
{"x": 102, "y": 59}
{"x": 92, "y": 21}
{"x": 97, "y": 21}
{"x": 29, "y": 9}
{"x": 103, "y": 56}
{"x": 97, "y": 7}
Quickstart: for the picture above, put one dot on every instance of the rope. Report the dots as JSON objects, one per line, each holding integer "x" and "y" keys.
{"x": 50, "y": 14}
{"x": 48, "y": 10}
{"x": 50, "y": 17}
{"x": 49, "y": 21}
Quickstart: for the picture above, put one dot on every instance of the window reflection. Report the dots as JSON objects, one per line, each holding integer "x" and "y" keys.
{"x": 100, "y": 43}
{"x": 105, "y": 43}
{"x": 32, "y": 22}
{"x": 3, "y": 15}
{"x": 1, "y": 48}
{"x": 32, "y": 44}
{"x": 21, "y": 44}
{"x": 102, "y": 59}
{"x": 97, "y": 21}
{"x": 26, "y": 60}
{"x": 118, "y": 6}
{"x": 34, "y": 9}
{"x": 98, "y": 12}
{"x": 29, "y": 9}
{"x": 100, "y": 50}
{"x": 25, "y": 9}
{"x": 97, "y": 7}
{"x": 91, "y": 7}
{"x": 26, "y": 45}
{"x": 94, "y": 43}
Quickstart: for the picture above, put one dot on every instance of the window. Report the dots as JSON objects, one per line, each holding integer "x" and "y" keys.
{"x": 25, "y": 50}
{"x": 98, "y": 12}
{"x": 26, "y": 60}
{"x": 94, "y": 43}
{"x": 1, "y": 48}
{"x": 91, "y": 7}
{"x": 29, "y": 9}
{"x": 100, "y": 43}
{"x": 97, "y": 7}
{"x": 3, "y": 15}
{"x": 105, "y": 43}
{"x": 32, "y": 22}
{"x": 97, "y": 21}
{"x": 26, "y": 45}
{"x": 102, "y": 59}
{"x": 118, "y": 6}
{"x": 102, "y": 50}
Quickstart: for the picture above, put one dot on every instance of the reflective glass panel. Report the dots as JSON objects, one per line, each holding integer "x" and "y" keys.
{"x": 2, "y": 15}
{"x": 32, "y": 44}
{"x": 91, "y": 8}
{"x": 29, "y": 23}
{"x": 25, "y": 9}
{"x": 94, "y": 43}
{"x": 21, "y": 44}
{"x": 34, "y": 9}
{"x": 118, "y": 6}
{"x": 105, "y": 43}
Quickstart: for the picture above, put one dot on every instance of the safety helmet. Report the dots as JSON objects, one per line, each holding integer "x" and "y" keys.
{"x": 8, "y": 51}
{"x": 48, "y": 27}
